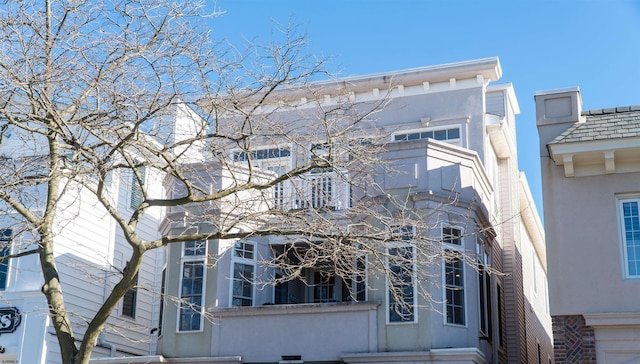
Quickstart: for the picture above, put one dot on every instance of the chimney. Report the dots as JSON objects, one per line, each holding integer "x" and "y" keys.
{"x": 556, "y": 111}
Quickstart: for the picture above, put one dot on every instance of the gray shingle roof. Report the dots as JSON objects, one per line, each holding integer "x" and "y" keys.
{"x": 603, "y": 124}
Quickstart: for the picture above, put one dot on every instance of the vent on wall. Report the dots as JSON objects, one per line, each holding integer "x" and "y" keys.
{"x": 291, "y": 359}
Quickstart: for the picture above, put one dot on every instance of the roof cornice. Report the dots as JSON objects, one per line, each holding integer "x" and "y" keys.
{"x": 592, "y": 146}
{"x": 485, "y": 70}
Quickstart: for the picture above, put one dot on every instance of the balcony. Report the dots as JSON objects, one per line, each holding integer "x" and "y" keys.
{"x": 314, "y": 331}
{"x": 327, "y": 190}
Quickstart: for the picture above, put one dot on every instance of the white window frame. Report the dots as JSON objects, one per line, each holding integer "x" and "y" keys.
{"x": 193, "y": 259}
{"x": 460, "y": 249}
{"x": 455, "y": 141}
{"x": 245, "y": 261}
{"x": 414, "y": 275}
{"x": 262, "y": 148}
{"x": 484, "y": 258}
{"x": 7, "y": 237}
{"x": 446, "y": 238}
{"x": 621, "y": 200}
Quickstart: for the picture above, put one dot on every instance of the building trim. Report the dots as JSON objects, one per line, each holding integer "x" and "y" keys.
{"x": 159, "y": 359}
{"x": 457, "y": 355}
{"x": 612, "y": 319}
{"x": 288, "y": 309}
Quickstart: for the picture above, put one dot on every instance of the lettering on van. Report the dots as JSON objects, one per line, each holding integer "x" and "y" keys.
{"x": 9, "y": 319}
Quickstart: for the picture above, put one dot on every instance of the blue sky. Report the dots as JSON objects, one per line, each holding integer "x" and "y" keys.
{"x": 542, "y": 45}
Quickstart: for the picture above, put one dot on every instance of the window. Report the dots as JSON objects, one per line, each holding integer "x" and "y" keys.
{"x": 449, "y": 135}
{"x": 451, "y": 235}
{"x": 137, "y": 184}
{"x": 454, "y": 288}
{"x": 484, "y": 288}
{"x": 277, "y": 160}
{"x": 321, "y": 191}
{"x": 539, "y": 353}
{"x": 630, "y": 226}
{"x": 323, "y": 286}
{"x": 401, "y": 267}
{"x": 6, "y": 236}
{"x": 243, "y": 250}
{"x": 401, "y": 287}
{"x": 192, "y": 286}
{"x": 243, "y": 274}
{"x": 268, "y": 153}
{"x": 453, "y": 276}
{"x": 130, "y": 297}
{"x": 359, "y": 283}
{"x": 195, "y": 248}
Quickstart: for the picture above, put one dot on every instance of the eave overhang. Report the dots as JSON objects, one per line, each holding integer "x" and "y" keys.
{"x": 483, "y": 70}
{"x": 593, "y": 157}
{"x": 499, "y": 136}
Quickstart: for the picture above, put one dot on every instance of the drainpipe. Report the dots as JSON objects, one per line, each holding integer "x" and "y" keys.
{"x": 112, "y": 347}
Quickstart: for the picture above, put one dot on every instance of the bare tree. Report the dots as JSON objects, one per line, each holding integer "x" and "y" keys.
{"x": 92, "y": 91}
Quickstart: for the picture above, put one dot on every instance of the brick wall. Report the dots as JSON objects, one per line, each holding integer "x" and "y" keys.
{"x": 574, "y": 342}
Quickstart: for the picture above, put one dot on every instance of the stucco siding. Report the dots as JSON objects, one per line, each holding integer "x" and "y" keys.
{"x": 600, "y": 246}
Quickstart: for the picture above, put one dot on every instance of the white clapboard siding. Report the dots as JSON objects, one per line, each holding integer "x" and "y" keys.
{"x": 495, "y": 103}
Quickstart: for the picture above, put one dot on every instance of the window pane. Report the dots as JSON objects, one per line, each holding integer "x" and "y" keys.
{"x": 453, "y": 133}
{"x": 401, "y": 290}
{"x": 193, "y": 248}
{"x": 631, "y": 222}
{"x": 191, "y": 295}
{"x": 242, "y": 285}
{"x": 426, "y": 135}
{"x": 5, "y": 249}
{"x": 454, "y": 285}
{"x": 440, "y": 135}
{"x": 244, "y": 250}
{"x": 451, "y": 235}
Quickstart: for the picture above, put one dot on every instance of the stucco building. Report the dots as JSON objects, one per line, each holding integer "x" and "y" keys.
{"x": 450, "y": 135}
{"x": 590, "y": 177}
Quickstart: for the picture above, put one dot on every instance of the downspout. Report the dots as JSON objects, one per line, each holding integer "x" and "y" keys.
{"x": 111, "y": 346}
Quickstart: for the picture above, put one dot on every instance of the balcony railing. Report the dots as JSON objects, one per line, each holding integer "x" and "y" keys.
{"x": 313, "y": 191}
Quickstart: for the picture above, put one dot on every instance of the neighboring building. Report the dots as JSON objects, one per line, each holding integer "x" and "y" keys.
{"x": 90, "y": 252}
{"x": 591, "y": 184}
{"x": 451, "y": 136}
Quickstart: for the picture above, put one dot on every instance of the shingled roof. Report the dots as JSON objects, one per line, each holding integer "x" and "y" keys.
{"x": 603, "y": 124}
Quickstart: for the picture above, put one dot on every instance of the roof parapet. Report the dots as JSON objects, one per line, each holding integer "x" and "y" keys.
{"x": 556, "y": 111}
